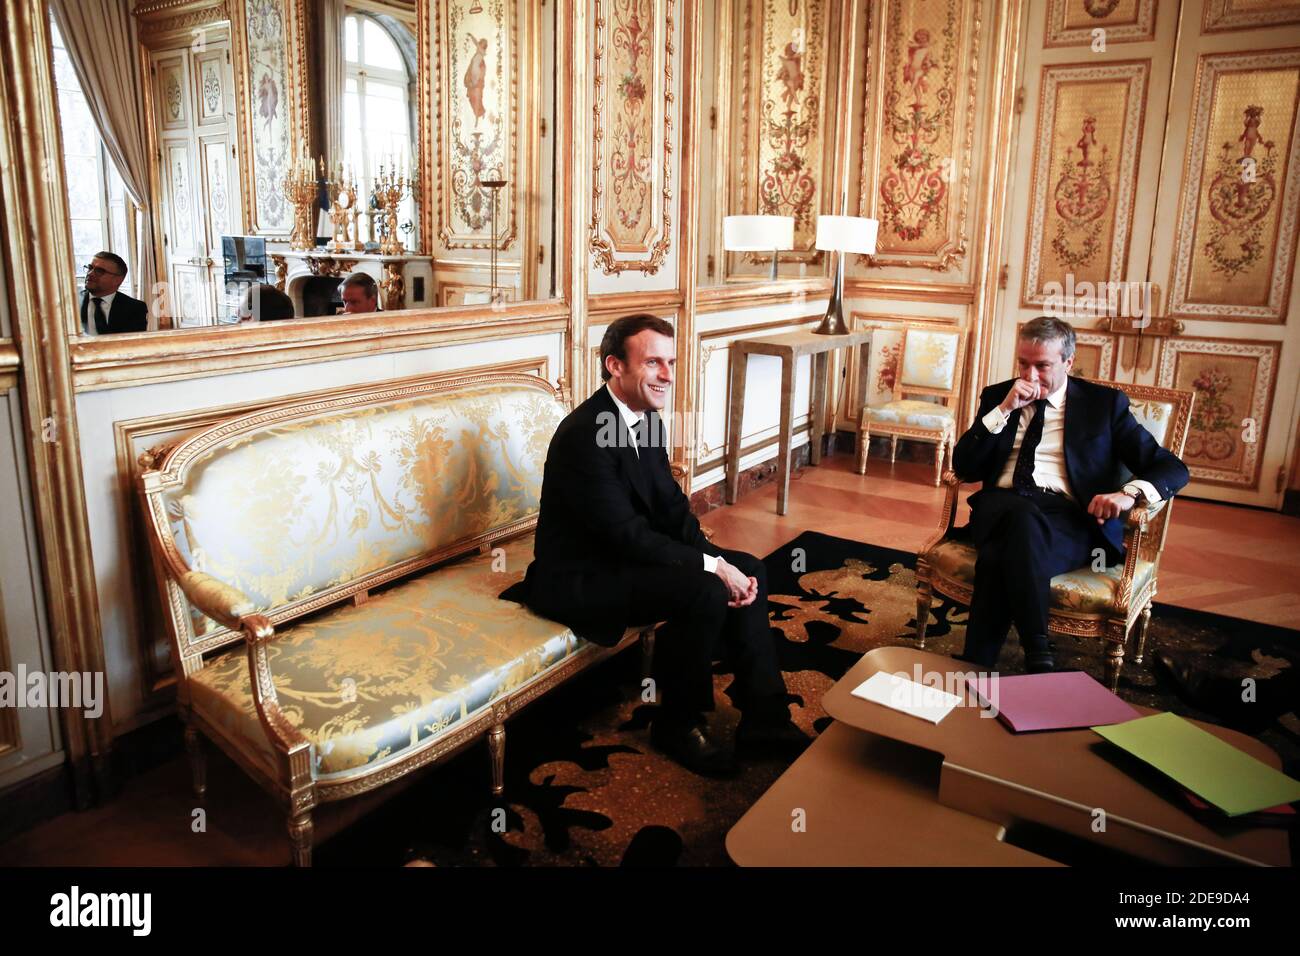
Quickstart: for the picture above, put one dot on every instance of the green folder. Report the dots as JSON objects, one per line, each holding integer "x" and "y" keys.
{"x": 1217, "y": 772}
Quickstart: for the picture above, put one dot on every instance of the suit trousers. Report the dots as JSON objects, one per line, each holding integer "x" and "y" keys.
{"x": 1023, "y": 542}
{"x": 699, "y": 629}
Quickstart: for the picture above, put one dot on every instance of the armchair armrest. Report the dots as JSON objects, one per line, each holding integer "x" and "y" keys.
{"x": 952, "y": 483}
{"x": 232, "y": 608}
{"x": 1140, "y": 515}
{"x": 224, "y": 603}
{"x": 1135, "y": 526}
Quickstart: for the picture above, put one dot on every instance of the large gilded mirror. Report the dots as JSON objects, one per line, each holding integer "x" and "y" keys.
{"x": 768, "y": 93}
{"x": 243, "y": 161}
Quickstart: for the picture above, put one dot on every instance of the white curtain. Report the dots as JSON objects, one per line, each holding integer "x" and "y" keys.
{"x": 331, "y": 15}
{"x": 101, "y": 40}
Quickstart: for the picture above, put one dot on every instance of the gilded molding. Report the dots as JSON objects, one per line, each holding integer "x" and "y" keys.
{"x": 152, "y": 31}
{"x": 1072, "y": 24}
{"x": 726, "y": 298}
{"x": 603, "y": 248}
{"x": 910, "y": 291}
{"x": 140, "y": 358}
{"x": 1220, "y": 17}
{"x": 41, "y": 298}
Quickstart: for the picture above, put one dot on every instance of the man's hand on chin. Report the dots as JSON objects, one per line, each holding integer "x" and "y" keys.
{"x": 1105, "y": 507}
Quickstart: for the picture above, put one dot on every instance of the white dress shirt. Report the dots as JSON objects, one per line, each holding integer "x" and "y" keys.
{"x": 1049, "y": 456}
{"x": 89, "y": 327}
{"x": 632, "y": 419}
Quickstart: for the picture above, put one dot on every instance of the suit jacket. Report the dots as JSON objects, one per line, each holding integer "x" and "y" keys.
{"x": 1104, "y": 446}
{"x": 126, "y": 315}
{"x": 602, "y": 512}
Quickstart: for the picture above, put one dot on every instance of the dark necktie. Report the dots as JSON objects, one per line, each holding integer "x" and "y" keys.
{"x": 1022, "y": 478}
{"x": 645, "y": 433}
{"x": 101, "y": 320}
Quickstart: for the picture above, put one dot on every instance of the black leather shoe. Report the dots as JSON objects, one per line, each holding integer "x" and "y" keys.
{"x": 1040, "y": 654}
{"x": 775, "y": 739}
{"x": 693, "y": 749}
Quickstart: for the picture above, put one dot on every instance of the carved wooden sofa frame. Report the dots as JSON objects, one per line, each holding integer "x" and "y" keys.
{"x": 289, "y": 768}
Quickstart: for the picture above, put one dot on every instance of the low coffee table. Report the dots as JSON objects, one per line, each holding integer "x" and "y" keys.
{"x": 880, "y": 797}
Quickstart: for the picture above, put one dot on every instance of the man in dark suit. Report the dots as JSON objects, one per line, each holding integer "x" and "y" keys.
{"x": 1061, "y": 460}
{"x": 617, "y": 546}
{"x": 105, "y": 310}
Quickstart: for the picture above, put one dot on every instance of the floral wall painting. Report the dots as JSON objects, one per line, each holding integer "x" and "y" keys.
{"x": 1072, "y": 22}
{"x": 919, "y": 131}
{"x": 1085, "y": 169}
{"x": 1236, "y": 228}
{"x": 1233, "y": 382}
{"x": 1225, "y": 15}
{"x": 632, "y": 130}
{"x": 477, "y": 105}
{"x": 270, "y": 101}
{"x": 171, "y": 88}
{"x": 779, "y": 87}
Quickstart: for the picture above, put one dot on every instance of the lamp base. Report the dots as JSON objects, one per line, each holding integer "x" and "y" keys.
{"x": 833, "y": 322}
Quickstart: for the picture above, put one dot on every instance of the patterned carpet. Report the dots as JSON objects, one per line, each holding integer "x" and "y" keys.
{"x": 584, "y": 786}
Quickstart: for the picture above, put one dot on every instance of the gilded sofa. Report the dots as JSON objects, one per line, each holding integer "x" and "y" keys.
{"x": 1107, "y": 604}
{"x": 314, "y": 640}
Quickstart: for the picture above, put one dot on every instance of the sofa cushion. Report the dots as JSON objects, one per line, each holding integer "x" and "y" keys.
{"x": 298, "y": 502}
{"x": 1083, "y": 591}
{"x": 367, "y": 683}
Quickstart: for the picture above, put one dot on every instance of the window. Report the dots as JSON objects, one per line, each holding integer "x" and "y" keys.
{"x": 376, "y": 110}
{"x": 98, "y": 204}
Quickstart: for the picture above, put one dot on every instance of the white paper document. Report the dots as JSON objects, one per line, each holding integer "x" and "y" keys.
{"x": 899, "y": 693}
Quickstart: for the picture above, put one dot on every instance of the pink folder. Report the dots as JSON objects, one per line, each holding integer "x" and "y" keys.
{"x": 1063, "y": 701}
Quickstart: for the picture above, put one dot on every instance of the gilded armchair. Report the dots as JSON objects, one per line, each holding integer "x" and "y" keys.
{"x": 929, "y": 364}
{"x": 1086, "y": 603}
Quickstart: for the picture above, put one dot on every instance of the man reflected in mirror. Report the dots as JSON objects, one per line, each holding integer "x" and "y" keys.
{"x": 360, "y": 294}
{"x": 104, "y": 309}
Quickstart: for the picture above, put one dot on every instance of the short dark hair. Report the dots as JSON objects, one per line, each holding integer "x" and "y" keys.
{"x": 114, "y": 258}
{"x": 363, "y": 281}
{"x": 1045, "y": 328}
{"x": 620, "y": 330}
{"x": 266, "y": 303}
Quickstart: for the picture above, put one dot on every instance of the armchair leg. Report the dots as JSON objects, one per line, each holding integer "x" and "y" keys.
{"x": 1142, "y": 634}
{"x": 893, "y": 448}
{"x": 1114, "y": 664}
{"x": 864, "y": 443}
{"x": 938, "y": 463}
{"x": 924, "y": 598}
{"x": 300, "y": 836}
{"x": 497, "y": 749}
{"x": 198, "y": 761}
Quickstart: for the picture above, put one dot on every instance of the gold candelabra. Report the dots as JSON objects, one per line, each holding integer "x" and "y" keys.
{"x": 300, "y": 187}
{"x": 343, "y": 211}
{"x": 390, "y": 188}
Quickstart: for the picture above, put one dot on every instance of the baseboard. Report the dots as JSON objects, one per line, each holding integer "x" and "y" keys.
{"x": 714, "y": 496}
{"x": 35, "y": 800}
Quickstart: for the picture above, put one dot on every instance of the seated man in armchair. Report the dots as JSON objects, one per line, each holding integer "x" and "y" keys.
{"x": 1047, "y": 448}
{"x": 617, "y": 546}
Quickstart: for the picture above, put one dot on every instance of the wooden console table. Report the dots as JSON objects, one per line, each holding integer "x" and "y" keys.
{"x": 788, "y": 347}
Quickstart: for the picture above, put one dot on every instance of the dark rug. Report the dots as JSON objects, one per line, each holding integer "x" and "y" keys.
{"x": 584, "y": 786}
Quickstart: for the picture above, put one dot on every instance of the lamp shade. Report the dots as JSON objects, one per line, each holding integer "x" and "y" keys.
{"x": 757, "y": 233}
{"x": 847, "y": 234}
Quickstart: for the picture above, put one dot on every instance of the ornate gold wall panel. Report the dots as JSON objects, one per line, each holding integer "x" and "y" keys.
{"x": 1234, "y": 382}
{"x": 1224, "y": 15}
{"x": 262, "y": 30}
{"x": 1085, "y": 170}
{"x": 1237, "y": 212}
{"x": 916, "y": 152}
{"x": 781, "y": 150}
{"x": 477, "y": 66}
{"x": 632, "y": 134}
{"x": 1071, "y": 22}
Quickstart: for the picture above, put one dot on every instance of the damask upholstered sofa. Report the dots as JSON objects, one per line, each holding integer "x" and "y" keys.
{"x": 328, "y": 629}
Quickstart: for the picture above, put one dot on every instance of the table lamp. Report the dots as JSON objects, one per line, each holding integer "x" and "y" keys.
{"x": 758, "y": 234}
{"x": 841, "y": 234}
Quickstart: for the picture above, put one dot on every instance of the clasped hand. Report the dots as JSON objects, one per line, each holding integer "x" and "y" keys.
{"x": 742, "y": 588}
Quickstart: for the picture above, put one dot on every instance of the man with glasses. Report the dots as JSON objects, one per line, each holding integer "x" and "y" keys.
{"x": 104, "y": 310}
